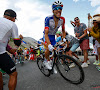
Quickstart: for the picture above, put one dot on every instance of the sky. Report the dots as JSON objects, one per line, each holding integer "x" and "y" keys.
{"x": 31, "y": 14}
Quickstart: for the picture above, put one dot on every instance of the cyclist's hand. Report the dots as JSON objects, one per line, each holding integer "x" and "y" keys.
{"x": 50, "y": 47}
{"x": 64, "y": 40}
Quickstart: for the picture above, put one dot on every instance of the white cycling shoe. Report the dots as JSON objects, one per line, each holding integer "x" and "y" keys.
{"x": 48, "y": 64}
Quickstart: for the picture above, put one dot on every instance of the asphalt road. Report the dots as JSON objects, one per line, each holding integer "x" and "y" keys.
{"x": 30, "y": 78}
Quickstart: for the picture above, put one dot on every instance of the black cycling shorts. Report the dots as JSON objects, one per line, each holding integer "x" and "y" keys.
{"x": 6, "y": 63}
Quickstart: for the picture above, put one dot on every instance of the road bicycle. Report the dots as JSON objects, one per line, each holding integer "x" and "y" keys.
{"x": 74, "y": 75}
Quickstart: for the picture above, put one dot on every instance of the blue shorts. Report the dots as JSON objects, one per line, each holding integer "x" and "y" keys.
{"x": 52, "y": 39}
{"x": 74, "y": 47}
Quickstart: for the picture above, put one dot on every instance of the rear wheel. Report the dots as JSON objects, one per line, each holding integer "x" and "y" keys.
{"x": 70, "y": 69}
{"x": 42, "y": 67}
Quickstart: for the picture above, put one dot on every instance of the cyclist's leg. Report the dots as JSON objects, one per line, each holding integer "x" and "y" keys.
{"x": 1, "y": 81}
{"x": 53, "y": 42}
{"x": 47, "y": 54}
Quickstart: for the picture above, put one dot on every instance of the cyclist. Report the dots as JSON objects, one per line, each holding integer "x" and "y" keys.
{"x": 59, "y": 41}
{"x": 52, "y": 23}
{"x": 72, "y": 45}
{"x": 8, "y": 29}
{"x": 59, "y": 37}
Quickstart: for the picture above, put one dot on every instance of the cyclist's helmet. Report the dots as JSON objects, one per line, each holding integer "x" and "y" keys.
{"x": 58, "y": 32}
{"x": 56, "y": 4}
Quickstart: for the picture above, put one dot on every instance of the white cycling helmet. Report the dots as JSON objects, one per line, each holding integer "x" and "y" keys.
{"x": 57, "y": 3}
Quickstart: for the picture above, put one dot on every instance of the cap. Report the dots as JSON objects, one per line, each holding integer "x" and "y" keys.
{"x": 10, "y": 12}
{"x": 96, "y": 18}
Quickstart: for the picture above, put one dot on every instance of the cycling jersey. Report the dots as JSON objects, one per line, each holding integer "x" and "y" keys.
{"x": 50, "y": 24}
{"x": 7, "y": 29}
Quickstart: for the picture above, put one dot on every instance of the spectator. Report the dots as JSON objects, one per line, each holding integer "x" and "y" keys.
{"x": 59, "y": 41}
{"x": 72, "y": 45}
{"x": 95, "y": 32}
{"x": 80, "y": 31}
{"x": 8, "y": 29}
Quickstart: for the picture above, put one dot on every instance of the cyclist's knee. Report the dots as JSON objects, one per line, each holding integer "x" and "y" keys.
{"x": 47, "y": 51}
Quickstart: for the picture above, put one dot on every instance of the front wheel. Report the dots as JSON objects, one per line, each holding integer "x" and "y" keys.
{"x": 70, "y": 69}
{"x": 42, "y": 67}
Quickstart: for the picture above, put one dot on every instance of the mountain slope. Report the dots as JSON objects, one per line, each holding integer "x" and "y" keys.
{"x": 26, "y": 43}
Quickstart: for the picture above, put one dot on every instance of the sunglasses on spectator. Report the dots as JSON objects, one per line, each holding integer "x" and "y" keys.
{"x": 57, "y": 8}
{"x": 76, "y": 19}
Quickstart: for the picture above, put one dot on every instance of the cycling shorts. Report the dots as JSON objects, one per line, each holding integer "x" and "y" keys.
{"x": 52, "y": 39}
{"x": 6, "y": 63}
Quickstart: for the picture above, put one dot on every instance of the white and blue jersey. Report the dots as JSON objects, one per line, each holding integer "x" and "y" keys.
{"x": 50, "y": 25}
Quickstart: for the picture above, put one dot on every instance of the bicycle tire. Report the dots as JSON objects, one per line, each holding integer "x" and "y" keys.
{"x": 66, "y": 74}
{"x": 42, "y": 67}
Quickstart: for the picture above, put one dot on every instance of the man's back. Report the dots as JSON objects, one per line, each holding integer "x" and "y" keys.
{"x": 6, "y": 31}
{"x": 5, "y": 26}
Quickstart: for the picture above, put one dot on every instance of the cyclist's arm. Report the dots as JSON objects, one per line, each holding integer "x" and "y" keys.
{"x": 63, "y": 27}
{"x": 46, "y": 37}
{"x": 63, "y": 32}
{"x": 47, "y": 30}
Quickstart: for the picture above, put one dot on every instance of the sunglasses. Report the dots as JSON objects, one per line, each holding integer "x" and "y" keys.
{"x": 57, "y": 8}
{"x": 76, "y": 19}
